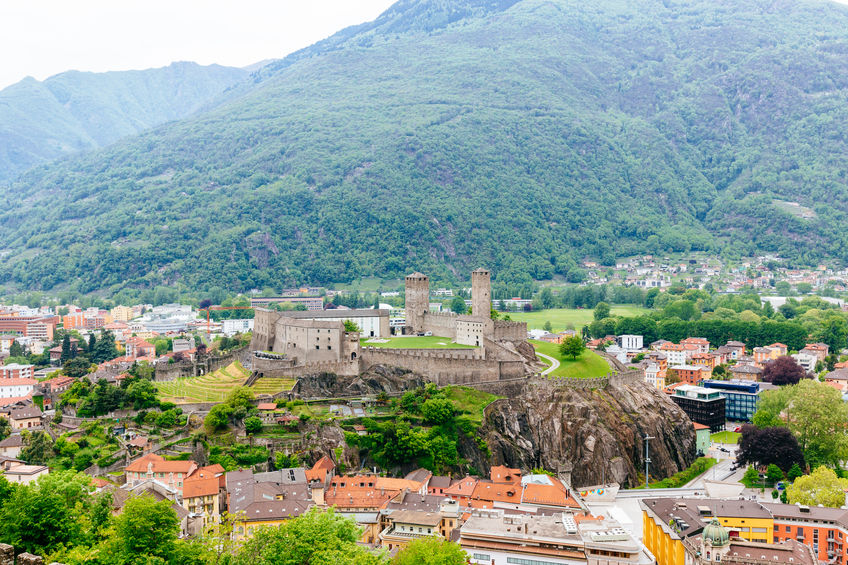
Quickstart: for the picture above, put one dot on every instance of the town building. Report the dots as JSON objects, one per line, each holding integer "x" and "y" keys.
{"x": 630, "y": 342}
{"x": 23, "y": 474}
{"x": 702, "y": 439}
{"x": 735, "y": 349}
{"x": 690, "y": 374}
{"x": 151, "y": 466}
{"x": 838, "y": 379}
{"x": 12, "y": 446}
{"x": 701, "y": 345}
{"x": 819, "y": 350}
{"x": 715, "y": 545}
{"x": 16, "y": 371}
{"x": 122, "y": 313}
{"x": 203, "y": 492}
{"x": 742, "y": 397}
{"x": 239, "y": 326}
{"x": 312, "y": 303}
{"x": 745, "y": 372}
{"x": 266, "y": 499}
{"x": 807, "y": 361}
{"x": 24, "y": 417}
{"x": 702, "y": 405}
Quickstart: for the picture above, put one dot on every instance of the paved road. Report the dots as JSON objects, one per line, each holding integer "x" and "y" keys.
{"x": 554, "y": 363}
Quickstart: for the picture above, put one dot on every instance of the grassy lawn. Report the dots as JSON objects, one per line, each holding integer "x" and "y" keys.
{"x": 725, "y": 437}
{"x": 213, "y": 387}
{"x": 470, "y": 401}
{"x": 589, "y": 364}
{"x": 562, "y": 318}
{"x": 413, "y": 342}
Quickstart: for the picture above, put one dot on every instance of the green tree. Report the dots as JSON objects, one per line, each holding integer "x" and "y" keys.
{"x": 317, "y": 537}
{"x": 42, "y": 516}
{"x": 66, "y": 349}
{"x": 105, "y": 348}
{"x": 822, "y": 486}
{"x": 218, "y": 418}
{"x": 431, "y": 550}
{"x": 457, "y": 305}
{"x": 38, "y": 447}
{"x": 92, "y": 342}
{"x": 146, "y": 528}
{"x": 548, "y": 327}
{"x": 141, "y": 394}
{"x": 751, "y": 477}
{"x": 794, "y": 472}
{"x": 816, "y": 415}
{"x": 602, "y": 310}
{"x": 76, "y": 367}
{"x": 437, "y": 410}
{"x": 572, "y": 346}
{"x": 252, "y": 425}
{"x": 351, "y": 327}
{"x": 5, "y": 428}
{"x": 774, "y": 474}
{"x": 15, "y": 350}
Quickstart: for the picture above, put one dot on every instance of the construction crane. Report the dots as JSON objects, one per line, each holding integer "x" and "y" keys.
{"x": 209, "y": 324}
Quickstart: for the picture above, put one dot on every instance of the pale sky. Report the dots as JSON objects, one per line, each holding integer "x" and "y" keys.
{"x": 41, "y": 38}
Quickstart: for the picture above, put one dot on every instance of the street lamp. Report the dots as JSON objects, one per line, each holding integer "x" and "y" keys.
{"x": 647, "y": 457}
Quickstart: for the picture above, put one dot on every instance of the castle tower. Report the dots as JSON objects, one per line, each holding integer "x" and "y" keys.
{"x": 417, "y": 300}
{"x": 481, "y": 293}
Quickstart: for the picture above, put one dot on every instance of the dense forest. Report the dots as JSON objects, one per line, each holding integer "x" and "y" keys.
{"x": 523, "y": 136}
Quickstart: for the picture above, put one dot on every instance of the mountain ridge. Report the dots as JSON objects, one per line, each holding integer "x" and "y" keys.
{"x": 78, "y": 110}
{"x": 524, "y": 138}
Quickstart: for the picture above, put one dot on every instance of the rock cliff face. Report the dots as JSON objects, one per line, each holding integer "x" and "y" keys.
{"x": 377, "y": 379}
{"x": 591, "y": 435}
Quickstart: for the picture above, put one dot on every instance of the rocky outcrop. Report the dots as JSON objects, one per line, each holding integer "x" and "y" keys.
{"x": 379, "y": 378}
{"x": 587, "y": 435}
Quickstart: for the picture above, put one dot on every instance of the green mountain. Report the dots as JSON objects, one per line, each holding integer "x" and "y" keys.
{"x": 445, "y": 135}
{"x": 76, "y": 111}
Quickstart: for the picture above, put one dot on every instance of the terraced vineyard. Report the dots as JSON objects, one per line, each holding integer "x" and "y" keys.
{"x": 213, "y": 387}
{"x": 272, "y": 386}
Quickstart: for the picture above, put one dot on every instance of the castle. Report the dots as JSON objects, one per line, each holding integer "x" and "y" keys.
{"x": 300, "y": 343}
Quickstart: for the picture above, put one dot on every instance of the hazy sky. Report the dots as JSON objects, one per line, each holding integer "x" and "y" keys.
{"x": 40, "y": 38}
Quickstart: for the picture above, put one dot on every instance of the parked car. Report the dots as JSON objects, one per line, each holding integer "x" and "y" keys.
{"x": 780, "y": 485}
{"x": 738, "y": 429}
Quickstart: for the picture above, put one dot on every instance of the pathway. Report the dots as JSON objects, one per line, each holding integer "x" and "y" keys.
{"x": 554, "y": 363}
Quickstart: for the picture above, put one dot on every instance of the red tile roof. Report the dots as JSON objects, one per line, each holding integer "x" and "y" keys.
{"x": 160, "y": 465}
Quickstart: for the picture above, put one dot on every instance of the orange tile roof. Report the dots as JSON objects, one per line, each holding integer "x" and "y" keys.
{"x": 553, "y": 495}
{"x": 510, "y": 492}
{"x": 201, "y": 484}
{"x": 160, "y": 465}
{"x": 464, "y": 487}
{"x": 14, "y": 399}
{"x": 397, "y": 484}
{"x": 267, "y": 406}
{"x": 319, "y": 470}
{"x": 502, "y": 474}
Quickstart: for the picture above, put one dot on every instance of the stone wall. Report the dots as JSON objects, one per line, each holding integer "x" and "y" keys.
{"x": 184, "y": 369}
{"x": 510, "y": 331}
{"x": 441, "y": 324}
{"x": 445, "y": 366}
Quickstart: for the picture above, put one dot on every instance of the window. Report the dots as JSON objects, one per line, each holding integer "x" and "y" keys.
{"x": 481, "y": 556}
{"x": 521, "y": 561}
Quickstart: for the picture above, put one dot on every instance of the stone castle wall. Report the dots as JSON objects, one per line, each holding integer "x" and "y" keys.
{"x": 442, "y": 324}
{"x": 445, "y": 366}
{"x": 510, "y": 331}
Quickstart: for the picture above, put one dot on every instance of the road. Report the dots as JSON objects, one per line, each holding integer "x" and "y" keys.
{"x": 554, "y": 363}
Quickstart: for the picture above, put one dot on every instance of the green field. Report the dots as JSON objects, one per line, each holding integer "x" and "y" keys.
{"x": 725, "y": 437}
{"x": 413, "y": 342}
{"x": 588, "y": 365}
{"x": 567, "y": 318}
{"x": 213, "y": 387}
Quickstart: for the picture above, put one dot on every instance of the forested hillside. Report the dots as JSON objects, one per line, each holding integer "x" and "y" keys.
{"x": 74, "y": 111}
{"x": 446, "y": 135}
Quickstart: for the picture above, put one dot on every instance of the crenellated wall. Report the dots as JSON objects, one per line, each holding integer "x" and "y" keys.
{"x": 445, "y": 366}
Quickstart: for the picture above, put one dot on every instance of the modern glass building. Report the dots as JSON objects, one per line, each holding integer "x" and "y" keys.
{"x": 702, "y": 405}
{"x": 742, "y": 398}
